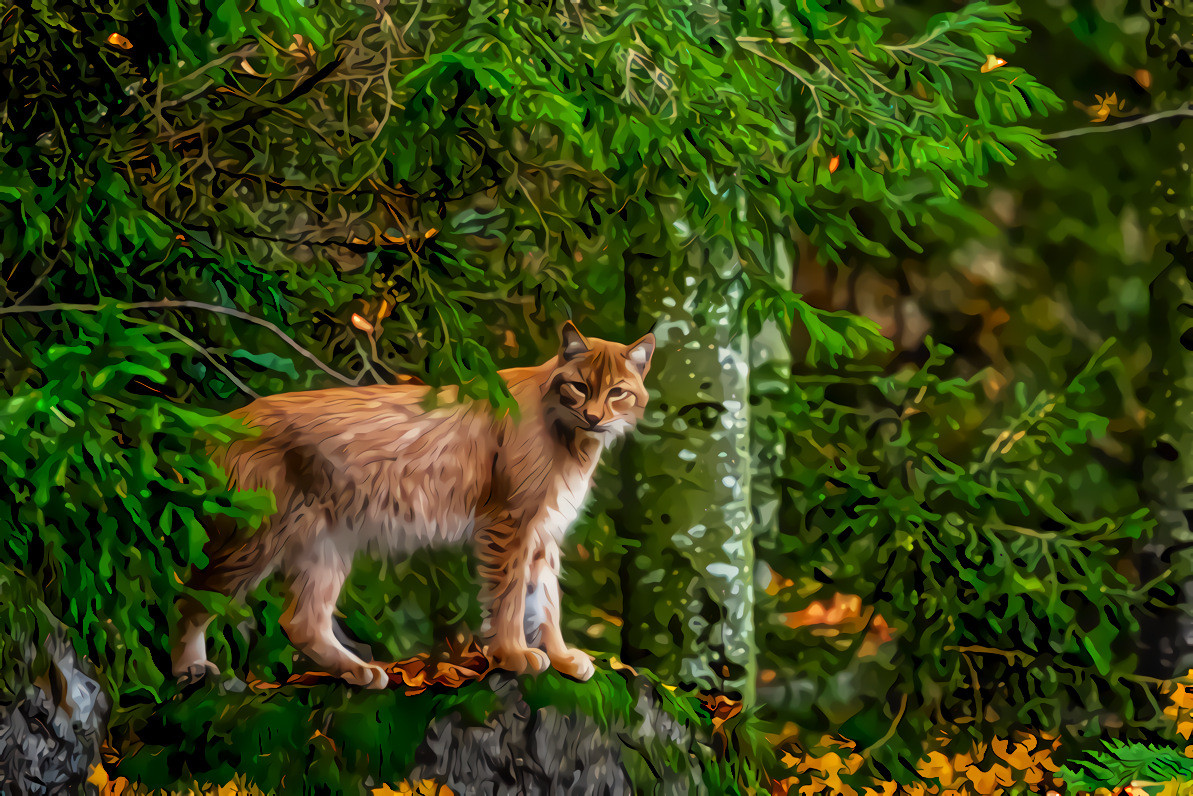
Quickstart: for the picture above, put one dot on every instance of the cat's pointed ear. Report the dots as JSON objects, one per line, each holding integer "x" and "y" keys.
{"x": 639, "y": 354}
{"x": 571, "y": 342}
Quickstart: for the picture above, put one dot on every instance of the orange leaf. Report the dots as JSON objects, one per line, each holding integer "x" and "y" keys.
{"x": 361, "y": 323}
{"x": 119, "y": 42}
{"x": 833, "y": 164}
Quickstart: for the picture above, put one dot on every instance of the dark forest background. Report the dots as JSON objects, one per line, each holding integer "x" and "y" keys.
{"x": 915, "y": 480}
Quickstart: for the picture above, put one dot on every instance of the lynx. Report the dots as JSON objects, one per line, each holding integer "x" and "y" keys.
{"x": 379, "y": 470}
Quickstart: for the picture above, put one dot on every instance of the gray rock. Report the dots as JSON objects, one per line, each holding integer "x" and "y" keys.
{"x": 50, "y": 732}
{"x": 550, "y": 752}
{"x": 524, "y": 752}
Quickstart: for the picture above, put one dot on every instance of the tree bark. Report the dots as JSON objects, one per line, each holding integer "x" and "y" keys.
{"x": 687, "y": 574}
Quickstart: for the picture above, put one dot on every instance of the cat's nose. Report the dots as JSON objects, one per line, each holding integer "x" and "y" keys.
{"x": 591, "y": 418}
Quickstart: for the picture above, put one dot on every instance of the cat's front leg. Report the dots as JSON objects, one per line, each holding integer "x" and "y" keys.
{"x": 503, "y": 555}
{"x": 543, "y": 613}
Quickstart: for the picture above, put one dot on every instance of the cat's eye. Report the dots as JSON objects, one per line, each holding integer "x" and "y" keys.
{"x": 575, "y": 391}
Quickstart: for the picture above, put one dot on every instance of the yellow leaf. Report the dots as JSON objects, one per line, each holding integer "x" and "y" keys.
{"x": 247, "y": 67}
{"x": 1107, "y": 105}
{"x": 119, "y": 42}
{"x": 98, "y": 777}
{"x": 936, "y": 767}
{"x": 983, "y": 781}
{"x": 992, "y": 63}
{"x": 616, "y": 665}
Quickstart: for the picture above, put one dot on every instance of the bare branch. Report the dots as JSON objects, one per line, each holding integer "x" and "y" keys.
{"x": 202, "y": 350}
{"x": 1109, "y": 128}
{"x": 172, "y": 304}
{"x": 302, "y": 88}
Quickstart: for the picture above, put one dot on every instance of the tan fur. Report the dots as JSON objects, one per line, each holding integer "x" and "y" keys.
{"x": 374, "y": 469}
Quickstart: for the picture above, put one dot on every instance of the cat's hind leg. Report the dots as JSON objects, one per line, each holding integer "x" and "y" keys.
{"x": 231, "y": 571}
{"x": 314, "y": 578}
{"x": 188, "y": 648}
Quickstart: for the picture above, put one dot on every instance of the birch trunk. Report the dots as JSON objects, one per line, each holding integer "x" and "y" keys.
{"x": 687, "y": 523}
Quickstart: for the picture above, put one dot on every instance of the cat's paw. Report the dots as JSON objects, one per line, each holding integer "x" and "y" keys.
{"x": 521, "y": 660}
{"x": 367, "y": 675}
{"x": 195, "y": 672}
{"x": 574, "y": 663}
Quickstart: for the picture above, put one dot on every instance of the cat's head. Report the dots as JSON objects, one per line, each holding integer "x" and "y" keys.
{"x": 596, "y": 386}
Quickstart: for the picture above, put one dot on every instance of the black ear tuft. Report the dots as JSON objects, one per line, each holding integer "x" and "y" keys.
{"x": 639, "y": 353}
{"x": 572, "y": 343}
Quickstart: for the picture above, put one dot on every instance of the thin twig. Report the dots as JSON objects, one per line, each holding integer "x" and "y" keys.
{"x": 1108, "y": 128}
{"x": 1024, "y": 658}
{"x": 891, "y": 732}
{"x": 748, "y": 44}
{"x": 207, "y": 354}
{"x": 40, "y": 278}
{"x": 172, "y": 304}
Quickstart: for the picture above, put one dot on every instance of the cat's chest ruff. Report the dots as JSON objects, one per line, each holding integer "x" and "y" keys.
{"x": 563, "y": 503}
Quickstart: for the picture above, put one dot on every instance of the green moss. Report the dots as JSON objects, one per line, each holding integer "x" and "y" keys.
{"x": 333, "y": 737}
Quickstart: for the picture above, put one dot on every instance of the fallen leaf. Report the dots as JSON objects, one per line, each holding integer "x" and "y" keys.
{"x": 617, "y": 666}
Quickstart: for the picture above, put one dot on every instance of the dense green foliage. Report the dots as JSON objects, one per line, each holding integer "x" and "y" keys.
{"x": 197, "y": 198}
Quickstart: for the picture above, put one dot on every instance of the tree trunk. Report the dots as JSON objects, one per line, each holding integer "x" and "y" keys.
{"x": 687, "y": 574}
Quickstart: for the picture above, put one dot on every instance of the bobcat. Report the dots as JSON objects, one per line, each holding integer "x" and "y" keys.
{"x": 373, "y": 469}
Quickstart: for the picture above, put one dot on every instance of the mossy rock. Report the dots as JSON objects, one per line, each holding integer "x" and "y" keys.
{"x": 619, "y": 733}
